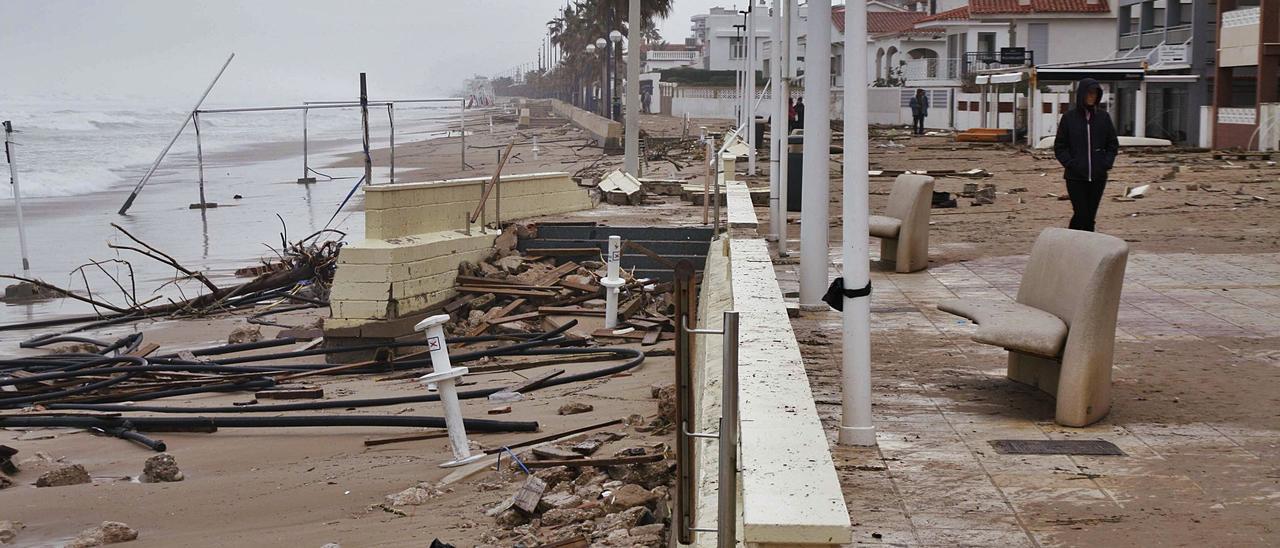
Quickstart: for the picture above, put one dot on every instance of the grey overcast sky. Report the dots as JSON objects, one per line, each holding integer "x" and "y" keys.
{"x": 286, "y": 50}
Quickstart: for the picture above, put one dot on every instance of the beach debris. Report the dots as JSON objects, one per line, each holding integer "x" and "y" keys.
{"x": 500, "y": 410}
{"x": 110, "y": 532}
{"x": 575, "y": 408}
{"x": 73, "y": 474}
{"x": 9, "y": 530}
{"x": 27, "y": 291}
{"x": 6, "y": 460}
{"x": 414, "y": 496}
{"x": 245, "y": 334}
{"x": 5, "y": 482}
{"x": 1137, "y": 192}
{"x": 620, "y": 188}
{"x": 161, "y": 468}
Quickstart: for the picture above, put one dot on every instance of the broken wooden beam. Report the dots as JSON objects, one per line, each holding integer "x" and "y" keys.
{"x": 605, "y": 462}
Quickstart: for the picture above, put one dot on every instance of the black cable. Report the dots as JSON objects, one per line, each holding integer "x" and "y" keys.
{"x": 180, "y": 424}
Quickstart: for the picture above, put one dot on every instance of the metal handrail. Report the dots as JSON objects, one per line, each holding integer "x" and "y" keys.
{"x": 727, "y": 486}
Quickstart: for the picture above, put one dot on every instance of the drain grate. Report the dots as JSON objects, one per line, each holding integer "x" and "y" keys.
{"x": 1056, "y": 447}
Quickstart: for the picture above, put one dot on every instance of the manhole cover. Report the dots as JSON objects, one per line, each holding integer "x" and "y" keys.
{"x": 1056, "y": 447}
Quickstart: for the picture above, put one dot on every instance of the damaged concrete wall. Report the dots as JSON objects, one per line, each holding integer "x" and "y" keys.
{"x": 415, "y": 240}
{"x": 608, "y": 132}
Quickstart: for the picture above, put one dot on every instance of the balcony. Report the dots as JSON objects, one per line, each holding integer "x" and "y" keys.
{"x": 931, "y": 69}
{"x": 975, "y": 61}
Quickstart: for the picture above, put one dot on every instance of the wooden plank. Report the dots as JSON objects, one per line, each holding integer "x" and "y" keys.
{"x": 552, "y": 437}
{"x": 515, "y": 318}
{"x": 505, "y": 291}
{"x": 651, "y": 337}
{"x": 631, "y": 307}
{"x": 143, "y": 351}
{"x": 633, "y": 335}
{"x": 557, "y": 273}
{"x": 480, "y": 280}
{"x": 589, "y": 288}
{"x": 456, "y": 304}
{"x": 578, "y": 463}
{"x": 650, "y": 254}
{"x": 555, "y": 453}
{"x": 417, "y": 437}
{"x": 575, "y": 542}
{"x": 489, "y": 321}
{"x": 534, "y": 382}
{"x": 571, "y": 311}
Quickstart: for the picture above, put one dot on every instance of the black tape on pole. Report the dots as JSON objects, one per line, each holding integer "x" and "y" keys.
{"x": 837, "y": 292}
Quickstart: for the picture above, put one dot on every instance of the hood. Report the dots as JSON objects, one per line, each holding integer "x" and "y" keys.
{"x": 1084, "y": 88}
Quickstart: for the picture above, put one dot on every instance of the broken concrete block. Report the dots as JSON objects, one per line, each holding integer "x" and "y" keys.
{"x": 110, "y": 532}
{"x": 575, "y": 408}
{"x": 161, "y": 468}
{"x": 246, "y": 334}
{"x": 74, "y": 474}
{"x": 620, "y": 188}
{"x": 629, "y": 496}
{"x": 9, "y": 531}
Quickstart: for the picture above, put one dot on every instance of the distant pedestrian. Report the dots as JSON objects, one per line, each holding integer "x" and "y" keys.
{"x": 645, "y": 99}
{"x": 1086, "y": 146}
{"x": 800, "y": 113}
{"x": 919, "y": 110}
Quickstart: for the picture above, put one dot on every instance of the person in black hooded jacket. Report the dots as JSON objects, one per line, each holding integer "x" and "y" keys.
{"x": 1086, "y": 146}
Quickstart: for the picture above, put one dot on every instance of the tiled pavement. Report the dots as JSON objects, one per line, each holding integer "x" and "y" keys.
{"x": 1200, "y": 469}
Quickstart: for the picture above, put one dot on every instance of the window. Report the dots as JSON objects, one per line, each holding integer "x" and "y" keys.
{"x": 737, "y": 47}
{"x": 1126, "y": 19}
{"x": 987, "y": 42}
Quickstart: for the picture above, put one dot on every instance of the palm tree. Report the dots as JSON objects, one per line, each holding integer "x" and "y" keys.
{"x": 583, "y": 21}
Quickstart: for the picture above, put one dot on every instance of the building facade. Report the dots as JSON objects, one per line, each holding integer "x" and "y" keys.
{"x": 1246, "y": 99}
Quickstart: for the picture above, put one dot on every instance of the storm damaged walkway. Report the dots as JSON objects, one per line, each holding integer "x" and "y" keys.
{"x": 1195, "y": 412}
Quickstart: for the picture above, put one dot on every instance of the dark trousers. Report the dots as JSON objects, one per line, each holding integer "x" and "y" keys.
{"x": 917, "y": 124}
{"x": 1085, "y": 197}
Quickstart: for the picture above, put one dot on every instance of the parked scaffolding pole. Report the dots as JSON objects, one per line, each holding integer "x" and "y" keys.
{"x": 134, "y": 195}
{"x": 632, "y": 119}
{"x": 814, "y": 237}
{"x": 783, "y": 94}
{"x": 12, "y": 160}
{"x": 856, "y": 427}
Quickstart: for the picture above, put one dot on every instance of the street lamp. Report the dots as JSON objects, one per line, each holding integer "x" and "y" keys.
{"x": 601, "y": 44}
{"x": 616, "y": 38}
{"x": 590, "y": 95}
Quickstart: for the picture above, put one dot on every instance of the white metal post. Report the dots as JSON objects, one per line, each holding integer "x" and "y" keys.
{"x": 777, "y": 133}
{"x": 750, "y": 116}
{"x": 783, "y": 89}
{"x": 632, "y": 119}
{"x": 11, "y": 158}
{"x": 855, "y": 421}
{"x": 444, "y": 375}
{"x": 612, "y": 283}
{"x": 814, "y": 236}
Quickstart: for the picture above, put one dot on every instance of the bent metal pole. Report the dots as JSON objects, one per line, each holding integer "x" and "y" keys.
{"x": 814, "y": 232}
{"x": 10, "y": 157}
{"x": 134, "y": 195}
{"x": 855, "y": 421}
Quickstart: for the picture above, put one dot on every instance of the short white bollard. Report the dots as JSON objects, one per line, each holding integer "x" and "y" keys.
{"x": 612, "y": 283}
{"x": 535, "y": 147}
{"x": 444, "y": 376}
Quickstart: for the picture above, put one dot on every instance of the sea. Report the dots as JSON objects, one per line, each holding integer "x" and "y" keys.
{"x": 77, "y": 159}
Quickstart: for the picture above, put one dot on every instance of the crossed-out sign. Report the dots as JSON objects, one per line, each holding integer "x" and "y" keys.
{"x": 433, "y": 343}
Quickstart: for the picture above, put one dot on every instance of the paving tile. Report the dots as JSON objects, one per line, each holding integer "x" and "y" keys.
{"x": 973, "y": 537}
{"x": 973, "y": 520}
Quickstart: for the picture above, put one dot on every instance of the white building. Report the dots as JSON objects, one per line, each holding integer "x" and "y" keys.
{"x": 723, "y": 39}
{"x": 662, "y": 57}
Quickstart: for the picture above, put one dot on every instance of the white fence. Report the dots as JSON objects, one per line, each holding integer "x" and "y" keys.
{"x": 717, "y": 102}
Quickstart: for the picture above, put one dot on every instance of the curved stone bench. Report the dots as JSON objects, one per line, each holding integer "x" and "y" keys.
{"x": 904, "y": 228}
{"x": 1060, "y": 331}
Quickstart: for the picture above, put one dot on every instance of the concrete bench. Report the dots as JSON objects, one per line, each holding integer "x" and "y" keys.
{"x": 1060, "y": 331}
{"x": 904, "y": 228}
